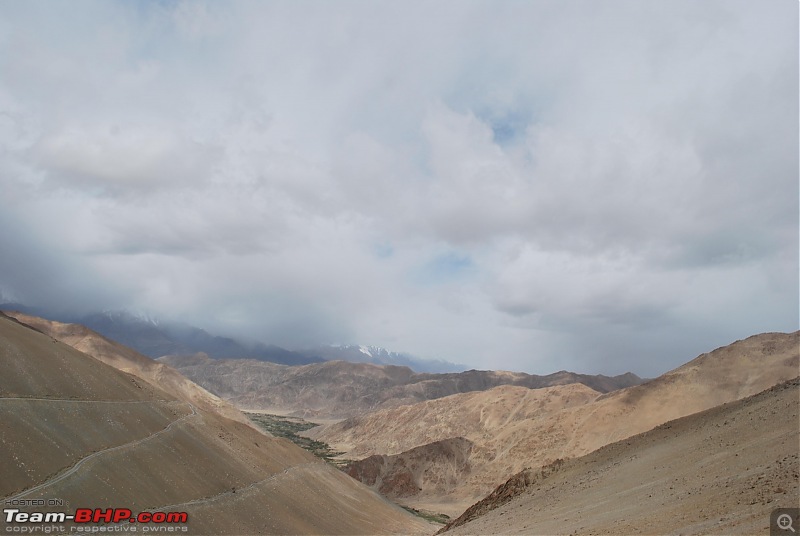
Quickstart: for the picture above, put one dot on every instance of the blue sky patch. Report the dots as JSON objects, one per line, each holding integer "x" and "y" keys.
{"x": 445, "y": 268}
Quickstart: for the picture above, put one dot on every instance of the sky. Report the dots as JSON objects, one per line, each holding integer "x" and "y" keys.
{"x": 597, "y": 186}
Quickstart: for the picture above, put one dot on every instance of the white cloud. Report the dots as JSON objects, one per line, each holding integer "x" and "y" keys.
{"x": 594, "y": 186}
{"x": 120, "y": 159}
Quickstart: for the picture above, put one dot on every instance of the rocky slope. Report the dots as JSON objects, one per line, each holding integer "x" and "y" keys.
{"x": 439, "y": 466}
{"x": 339, "y": 389}
{"x": 493, "y": 422}
{"x": 128, "y": 360}
{"x": 78, "y": 429}
{"x": 513, "y": 430}
{"x": 720, "y": 471}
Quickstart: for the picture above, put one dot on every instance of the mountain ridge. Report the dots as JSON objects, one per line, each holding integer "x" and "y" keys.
{"x": 340, "y": 389}
{"x": 92, "y": 434}
{"x": 722, "y": 470}
{"x": 534, "y": 438}
{"x": 359, "y": 353}
{"x": 155, "y": 338}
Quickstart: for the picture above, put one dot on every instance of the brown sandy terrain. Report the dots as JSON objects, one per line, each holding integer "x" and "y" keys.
{"x": 512, "y": 430}
{"x": 439, "y": 466}
{"x": 408, "y": 440}
{"x": 74, "y": 428}
{"x": 490, "y": 418}
{"x": 721, "y": 471}
{"x": 129, "y": 360}
{"x": 338, "y": 389}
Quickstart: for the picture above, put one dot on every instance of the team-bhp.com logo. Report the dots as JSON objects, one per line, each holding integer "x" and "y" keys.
{"x": 96, "y": 515}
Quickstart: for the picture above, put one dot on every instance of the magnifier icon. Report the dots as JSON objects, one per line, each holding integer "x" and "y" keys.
{"x": 785, "y": 522}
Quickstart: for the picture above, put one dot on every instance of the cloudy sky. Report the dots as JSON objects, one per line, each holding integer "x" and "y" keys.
{"x": 529, "y": 185}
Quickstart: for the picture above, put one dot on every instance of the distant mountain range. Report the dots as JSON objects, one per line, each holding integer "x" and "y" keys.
{"x": 534, "y": 421}
{"x": 86, "y": 419}
{"x": 596, "y": 453}
{"x": 154, "y": 338}
{"x": 338, "y": 389}
{"x": 381, "y": 356}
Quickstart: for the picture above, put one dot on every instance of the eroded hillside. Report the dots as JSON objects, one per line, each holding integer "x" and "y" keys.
{"x": 721, "y": 471}
{"x": 339, "y": 389}
{"x": 80, "y": 430}
{"x": 511, "y": 430}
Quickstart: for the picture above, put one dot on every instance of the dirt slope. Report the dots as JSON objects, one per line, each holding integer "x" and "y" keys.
{"x": 129, "y": 360}
{"x": 721, "y": 471}
{"x": 338, "y": 389}
{"x": 512, "y": 430}
{"x": 74, "y": 428}
{"x": 438, "y": 466}
{"x": 490, "y": 418}
{"x": 492, "y": 421}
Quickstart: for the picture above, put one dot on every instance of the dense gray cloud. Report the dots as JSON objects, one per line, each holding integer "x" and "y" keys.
{"x": 599, "y": 186}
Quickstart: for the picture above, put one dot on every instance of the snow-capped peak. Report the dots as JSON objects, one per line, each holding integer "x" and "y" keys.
{"x": 131, "y": 315}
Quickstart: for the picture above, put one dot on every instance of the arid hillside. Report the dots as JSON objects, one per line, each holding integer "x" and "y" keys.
{"x": 128, "y": 360}
{"x": 339, "y": 389}
{"x": 403, "y": 450}
{"x": 77, "y": 429}
{"x": 512, "y": 429}
{"x": 720, "y": 471}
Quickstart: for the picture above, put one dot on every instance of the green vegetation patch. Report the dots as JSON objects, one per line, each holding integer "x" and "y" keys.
{"x": 289, "y": 427}
{"x": 428, "y": 516}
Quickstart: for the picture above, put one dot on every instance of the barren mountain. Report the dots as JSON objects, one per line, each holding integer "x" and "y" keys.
{"x": 439, "y": 466}
{"x": 129, "y": 360}
{"x": 512, "y": 429}
{"x": 380, "y": 356}
{"x": 720, "y": 471}
{"x": 154, "y": 338}
{"x": 405, "y": 441}
{"x": 77, "y": 429}
{"x": 338, "y": 389}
